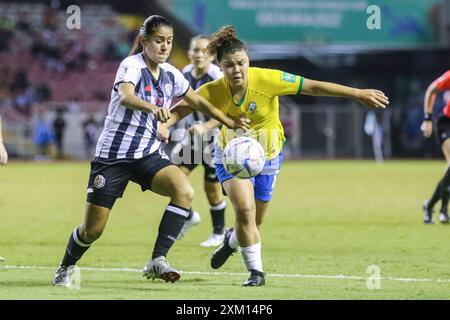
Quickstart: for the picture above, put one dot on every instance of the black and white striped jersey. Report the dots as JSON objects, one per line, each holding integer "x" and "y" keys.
{"x": 131, "y": 134}
{"x": 213, "y": 73}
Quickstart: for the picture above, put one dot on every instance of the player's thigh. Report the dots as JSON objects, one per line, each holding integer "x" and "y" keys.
{"x": 446, "y": 150}
{"x": 185, "y": 170}
{"x": 241, "y": 195}
{"x": 170, "y": 181}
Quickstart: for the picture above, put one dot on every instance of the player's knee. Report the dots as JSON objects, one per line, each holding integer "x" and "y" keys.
{"x": 213, "y": 196}
{"x": 245, "y": 213}
{"x": 91, "y": 234}
{"x": 185, "y": 193}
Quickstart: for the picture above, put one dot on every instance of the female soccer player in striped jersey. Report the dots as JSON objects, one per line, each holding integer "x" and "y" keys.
{"x": 201, "y": 70}
{"x": 443, "y": 131}
{"x": 254, "y": 92}
{"x": 129, "y": 150}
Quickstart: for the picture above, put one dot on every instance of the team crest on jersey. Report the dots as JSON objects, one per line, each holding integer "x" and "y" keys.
{"x": 252, "y": 107}
{"x": 168, "y": 88}
{"x": 99, "y": 181}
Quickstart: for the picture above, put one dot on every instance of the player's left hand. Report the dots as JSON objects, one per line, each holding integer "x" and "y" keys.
{"x": 163, "y": 134}
{"x": 372, "y": 98}
{"x": 162, "y": 114}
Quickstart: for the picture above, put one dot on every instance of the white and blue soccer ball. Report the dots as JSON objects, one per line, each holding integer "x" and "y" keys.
{"x": 243, "y": 157}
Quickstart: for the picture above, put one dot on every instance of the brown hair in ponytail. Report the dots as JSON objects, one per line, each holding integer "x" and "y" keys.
{"x": 150, "y": 24}
{"x": 225, "y": 41}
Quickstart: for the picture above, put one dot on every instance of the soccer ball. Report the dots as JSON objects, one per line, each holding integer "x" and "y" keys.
{"x": 243, "y": 157}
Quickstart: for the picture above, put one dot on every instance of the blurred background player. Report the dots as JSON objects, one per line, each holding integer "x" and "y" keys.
{"x": 128, "y": 150}
{"x": 200, "y": 71}
{"x": 443, "y": 132}
{"x": 3, "y": 158}
{"x": 59, "y": 126}
{"x": 3, "y": 152}
{"x": 253, "y": 93}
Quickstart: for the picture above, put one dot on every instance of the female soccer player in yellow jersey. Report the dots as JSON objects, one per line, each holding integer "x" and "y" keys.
{"x": 253, "y": 93}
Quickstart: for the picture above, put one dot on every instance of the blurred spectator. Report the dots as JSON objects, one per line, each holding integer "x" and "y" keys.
{"x": 50, "y": 19}
{"x": 21, "y": 80}
{"x": 59, "y": 125}
{"x": 74, "y": 105}
{"x": 6, "y": 33}
{"x": 22, "y": 101}
{"x": 42, "y": 92}
{"x": 22, "y": 23}
{"x": 90, "y": 129}
{"x": 74, "y": 57}
{"x": 43, "y": 138}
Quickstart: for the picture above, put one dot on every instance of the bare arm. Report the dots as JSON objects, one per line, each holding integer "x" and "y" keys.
{"x": 430, "y": 96}
{"x": 178, "y": 112}
{"x": 192, "y": 99}
{"x": 368, "y": 97}
{"x": 128, "y": 99}
{"x": 204, "y": 106}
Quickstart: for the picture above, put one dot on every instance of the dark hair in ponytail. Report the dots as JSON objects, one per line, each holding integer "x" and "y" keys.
{"x": 150, "y": 24}
{"x": 225, "y": 41}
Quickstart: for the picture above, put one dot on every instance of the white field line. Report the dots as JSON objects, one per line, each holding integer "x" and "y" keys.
{"x": 303, "y": 276}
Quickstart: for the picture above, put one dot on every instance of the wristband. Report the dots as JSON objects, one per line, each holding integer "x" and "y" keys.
{"x": 427, "y": 117}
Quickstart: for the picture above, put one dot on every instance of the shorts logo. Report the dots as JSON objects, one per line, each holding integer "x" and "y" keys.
{"x": 99, "y": 181}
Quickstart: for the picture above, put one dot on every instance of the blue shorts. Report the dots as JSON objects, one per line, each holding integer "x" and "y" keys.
{"x": 263, "y": 183}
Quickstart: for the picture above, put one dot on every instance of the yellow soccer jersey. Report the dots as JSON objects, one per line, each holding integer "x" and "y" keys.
{"x": 260, "y": 105}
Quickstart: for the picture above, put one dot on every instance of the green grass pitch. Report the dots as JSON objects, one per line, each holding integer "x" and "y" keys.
{"x": 328, "y": 222}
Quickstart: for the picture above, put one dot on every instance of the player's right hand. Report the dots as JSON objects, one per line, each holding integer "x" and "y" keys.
{"x": 242, "y": 123}
{"x": 163, "y": 134}
{"x": 3, "y": 154}
{"x": 427, "y": 128}
{"x": 162, "y": 114}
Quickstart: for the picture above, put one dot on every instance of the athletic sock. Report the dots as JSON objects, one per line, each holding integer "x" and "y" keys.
{"x": 445, "y": 184}
{"x": 435, "y": 197}
{"x": 191, "y": 213}
{"x": 251, "y": 256}
{"x": 75, "y": 249}
{"x": 218, "y": 217}
{"x": 169, "y": 228}
{"x": 233, "y": 241}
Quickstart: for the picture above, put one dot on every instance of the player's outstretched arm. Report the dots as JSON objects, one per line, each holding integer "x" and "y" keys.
{"x": 368, "y": 97}
{"x": 204, "y": 106}
{"x": 430, "y": 96}
{"x": 131, "y": 101}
